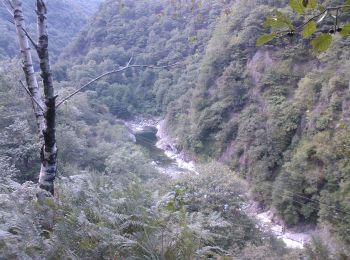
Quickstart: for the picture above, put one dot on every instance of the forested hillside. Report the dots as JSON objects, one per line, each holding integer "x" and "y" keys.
{"x": 156, "y": 34}
{"x": 272, "y": 120}
{"x": 66, "y": 18}
{"x": 110, "y": 200}
{"x": 277, "y": 115}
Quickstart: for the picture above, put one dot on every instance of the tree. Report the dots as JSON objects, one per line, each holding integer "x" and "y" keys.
{"x": 315, "y": 16}
{"x": 45, "y": 111}
{"x": 312, "y": 177}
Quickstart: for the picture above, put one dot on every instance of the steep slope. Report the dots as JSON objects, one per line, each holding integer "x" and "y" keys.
{"x": 156, "y": 33}
{"x": 111, "y": 201}
{"x": 277, "y": 115}
{"x": 65, "y": 19}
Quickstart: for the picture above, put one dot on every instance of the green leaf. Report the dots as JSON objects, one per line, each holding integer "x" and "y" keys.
{"x": 322, "y": 42}
{"x": 345, "y": 31}
{"x": 305, "y": 3}
{"x": 347, "y": 2}
{"x": 170, "y": 206}
{"x": 265, "y": 38}
{"x": 312, "y": 4}
{"x": 273, "y": 23}
{"x": 297, "y": 6}
{"x": 278, "y": 21}
{"x": 309, "y": 29}
{"x": 309, "y": 4}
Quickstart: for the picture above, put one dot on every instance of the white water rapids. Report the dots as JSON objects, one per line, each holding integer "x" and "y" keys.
{"x": 166, "y": 144}
{"x": 266, "y": 220}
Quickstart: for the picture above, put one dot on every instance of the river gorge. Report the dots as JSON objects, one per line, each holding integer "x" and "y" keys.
{"x": 151, "y": 134}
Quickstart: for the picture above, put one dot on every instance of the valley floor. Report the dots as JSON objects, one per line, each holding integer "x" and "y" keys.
{"x": 266, "y": 220}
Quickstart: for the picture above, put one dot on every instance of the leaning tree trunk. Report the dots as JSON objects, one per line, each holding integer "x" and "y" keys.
{"x": 45, "y": 112}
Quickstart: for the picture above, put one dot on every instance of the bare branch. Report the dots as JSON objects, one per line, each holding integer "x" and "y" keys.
{"x": 7, "y": 8}
{"x": 151, "y": 67}
{"x": 132, "y": 56}
{"x": 127, "y": 66}
{"x": 27, "y": 35}
{"x": 10, "y": 4}
{"x": 336, "y": 20}
{"x": 30, "y": 39}
{"x": 311, "y": 19}
{"x": 326, "y": 10}
{"x": 30, "y": 95}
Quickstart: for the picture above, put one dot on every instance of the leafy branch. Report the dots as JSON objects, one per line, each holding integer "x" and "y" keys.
{"x": 281, "y": 26}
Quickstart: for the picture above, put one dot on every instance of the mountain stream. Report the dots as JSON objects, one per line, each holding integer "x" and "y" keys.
{"x": 167, "y": 159}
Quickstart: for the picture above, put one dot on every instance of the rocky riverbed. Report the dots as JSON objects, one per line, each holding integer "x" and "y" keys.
{"x": 268, "y": 220}
{"x": 152, "y": 134}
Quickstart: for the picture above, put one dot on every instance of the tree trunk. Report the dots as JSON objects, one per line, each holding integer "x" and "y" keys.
{"x": 28, "y": 68}
{"x": 45, "y": 119}
{"x": 49, "y": 150}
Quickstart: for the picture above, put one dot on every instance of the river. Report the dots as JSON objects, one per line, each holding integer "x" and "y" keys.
{"x": 168, "y": 160}
{"x": 164, "y": 160}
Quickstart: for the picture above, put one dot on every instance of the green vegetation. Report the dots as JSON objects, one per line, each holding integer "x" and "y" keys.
{"x": 318, "y": 15}
{"x": 66, "y": 18}
{"x": 112, "y": 202}
{"x": 276, "y": 116}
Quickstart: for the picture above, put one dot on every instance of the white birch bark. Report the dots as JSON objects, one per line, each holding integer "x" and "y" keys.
{"x": 45, "y": 119}
{"x": 28, "y": 68}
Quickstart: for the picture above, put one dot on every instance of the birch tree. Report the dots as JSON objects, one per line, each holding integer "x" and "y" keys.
{"x": 44, "y": 106}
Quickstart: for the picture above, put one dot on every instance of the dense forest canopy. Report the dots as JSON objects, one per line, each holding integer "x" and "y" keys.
{"x": 271, "y": 119}
{"x": 65, "y": 19}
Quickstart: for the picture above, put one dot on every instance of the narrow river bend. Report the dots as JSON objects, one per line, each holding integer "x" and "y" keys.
{"x": 168, "y": 160}
{"x": 163, "y": 160}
